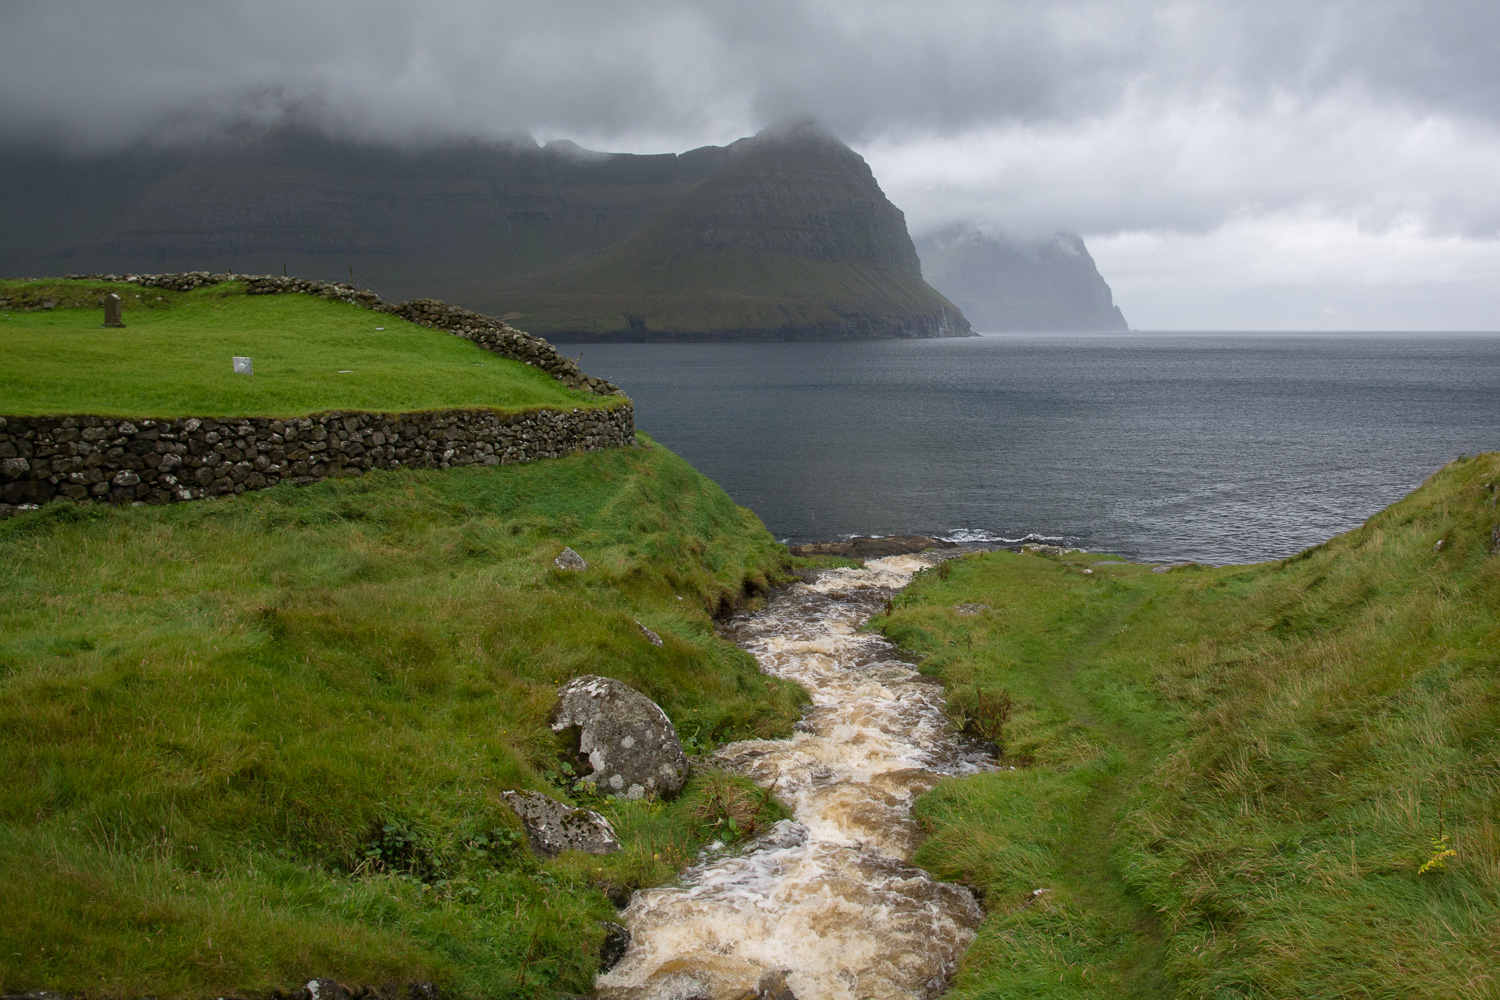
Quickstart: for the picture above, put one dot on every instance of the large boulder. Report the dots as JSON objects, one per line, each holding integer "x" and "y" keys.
{"x": 625, "y": 737}
{"x": 554, "y": 827}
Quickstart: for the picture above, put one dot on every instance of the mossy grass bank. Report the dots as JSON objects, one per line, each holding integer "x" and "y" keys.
{"x": 173, "y": 359}
{"x": 246, "y": 742}
{"x": 1279, "y": 780}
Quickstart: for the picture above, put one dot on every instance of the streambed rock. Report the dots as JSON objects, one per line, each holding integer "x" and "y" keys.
{"x": 627, "y": 739}
{"x": 554, "y": 827}
{"x": 616, "y": 944}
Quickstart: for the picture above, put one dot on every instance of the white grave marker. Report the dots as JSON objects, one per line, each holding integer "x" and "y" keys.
{"x": 242, "y": 366}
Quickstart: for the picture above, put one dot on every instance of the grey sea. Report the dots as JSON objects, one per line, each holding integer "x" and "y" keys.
{"x": 1217, "y": 448}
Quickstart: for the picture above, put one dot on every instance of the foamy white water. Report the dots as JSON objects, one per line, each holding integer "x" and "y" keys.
{"x": 828, "y": 897}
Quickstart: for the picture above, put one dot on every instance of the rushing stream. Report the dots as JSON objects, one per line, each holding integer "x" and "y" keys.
{"x": 829, "y": 897}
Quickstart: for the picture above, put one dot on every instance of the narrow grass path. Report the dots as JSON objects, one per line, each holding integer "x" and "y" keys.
{"x": 1092, "y": 874}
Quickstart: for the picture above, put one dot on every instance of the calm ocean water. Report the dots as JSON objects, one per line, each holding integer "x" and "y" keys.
{"x": 1218, "y": 448}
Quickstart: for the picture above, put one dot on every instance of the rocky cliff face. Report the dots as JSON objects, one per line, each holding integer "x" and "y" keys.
{"x": 1007, "y": 284}
{"x": 794, "y": 191}
{"x": 785, "y": 235}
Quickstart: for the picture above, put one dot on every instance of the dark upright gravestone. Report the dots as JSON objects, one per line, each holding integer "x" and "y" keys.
{"x": 112, "y": 310}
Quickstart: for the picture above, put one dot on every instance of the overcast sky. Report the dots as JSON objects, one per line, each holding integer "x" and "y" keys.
{"x": 1265, "y": 164}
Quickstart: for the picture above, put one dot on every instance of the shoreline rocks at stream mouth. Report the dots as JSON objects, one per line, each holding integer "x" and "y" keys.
{"x": 872, "y": 547}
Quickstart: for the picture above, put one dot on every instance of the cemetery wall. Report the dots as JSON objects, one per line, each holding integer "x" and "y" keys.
{"x": 107, "y": 459}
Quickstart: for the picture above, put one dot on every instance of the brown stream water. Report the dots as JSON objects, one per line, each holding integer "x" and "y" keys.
{"x": 829, "y": 897}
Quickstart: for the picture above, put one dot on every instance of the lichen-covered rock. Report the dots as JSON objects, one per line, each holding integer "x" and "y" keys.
{"x": 568, "y": 559}
{"x": 626, "y": 738}
{"x": 554, "y": 827}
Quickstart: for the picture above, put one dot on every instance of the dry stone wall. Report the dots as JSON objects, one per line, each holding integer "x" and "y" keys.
{"x": 107, "y": 459}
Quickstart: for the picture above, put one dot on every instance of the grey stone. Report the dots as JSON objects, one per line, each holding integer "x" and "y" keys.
{"x": 243, "y": 366}
{"x": 554, "y": 827}
{"x": 568, "y": 559}
{"x": 626, "y": 738}
{"x": 112, "y": 311}
{"x": 19, "y": 467}
{"x": 125, "y": 478}
{"x": 651, "y": 636}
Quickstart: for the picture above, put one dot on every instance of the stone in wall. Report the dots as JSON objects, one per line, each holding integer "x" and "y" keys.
{"x": 106, "y": 459}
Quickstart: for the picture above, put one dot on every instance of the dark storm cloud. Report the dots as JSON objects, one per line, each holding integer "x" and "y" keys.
{"x": 89, "y": 72}
{"x": 1271, "y": 149}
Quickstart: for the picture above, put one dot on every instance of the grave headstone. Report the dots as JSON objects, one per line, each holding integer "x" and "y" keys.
{"x": 112, "y": 311}
{"x": 242, "y": 366}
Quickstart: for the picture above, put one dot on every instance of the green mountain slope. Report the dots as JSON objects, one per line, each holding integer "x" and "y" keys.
{"x": 1233, "y": 782}
{"x": 785, "y": 234}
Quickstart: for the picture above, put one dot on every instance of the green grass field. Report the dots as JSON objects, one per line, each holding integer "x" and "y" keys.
{"x": 174, "y": 357}
{"x": 250, "y": 741}
{"x": 1228, "y": 781}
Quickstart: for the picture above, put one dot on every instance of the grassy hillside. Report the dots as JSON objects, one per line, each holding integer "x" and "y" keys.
{"x": 174, "y": 357}
{"x": 1228, "y": 781}
{"x": 251, "y": 741}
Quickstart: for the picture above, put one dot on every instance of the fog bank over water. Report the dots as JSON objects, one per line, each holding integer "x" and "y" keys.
{"x": 1277, "y": 164}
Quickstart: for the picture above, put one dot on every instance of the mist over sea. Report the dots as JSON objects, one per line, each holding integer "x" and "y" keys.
{"x": 1212, "y": 447}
